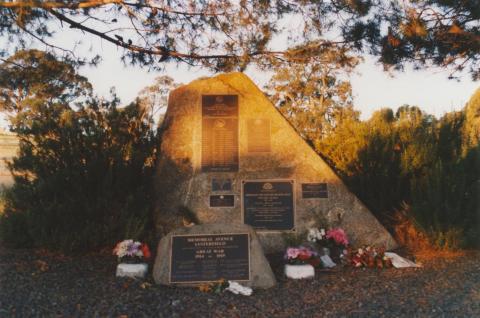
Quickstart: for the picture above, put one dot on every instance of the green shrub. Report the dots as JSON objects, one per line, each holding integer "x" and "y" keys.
{"x": 14, "y": 230}
{"x": 83, "y": 183}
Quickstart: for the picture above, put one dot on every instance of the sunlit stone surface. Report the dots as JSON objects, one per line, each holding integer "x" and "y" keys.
{"x": 208, "y": 157}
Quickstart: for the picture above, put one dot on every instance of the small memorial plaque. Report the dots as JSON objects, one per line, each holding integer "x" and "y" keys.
{"x": 314, "y": 190}
{"x": 208, "y": 258}
{"x": 222, "y": 200}
{"x": 268, "y": 205}
{"x": 221, "y": 184}
{"x": 258, "y": 134}
{"x": 220, "y": 133}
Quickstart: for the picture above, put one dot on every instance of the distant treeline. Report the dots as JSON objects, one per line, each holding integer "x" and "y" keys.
{"x": 413, "y": 164}
{"x": 85, "y": 168}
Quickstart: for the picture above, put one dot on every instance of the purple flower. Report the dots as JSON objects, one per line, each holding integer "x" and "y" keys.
{"x": 133, "y": 248}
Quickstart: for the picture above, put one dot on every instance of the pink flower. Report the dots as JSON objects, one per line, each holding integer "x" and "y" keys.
{"x": 292, "y": 252}
{"x": 338, "y": 235}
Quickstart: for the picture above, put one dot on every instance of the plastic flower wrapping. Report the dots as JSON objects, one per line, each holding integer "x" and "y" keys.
{"x": 131, "y": 249}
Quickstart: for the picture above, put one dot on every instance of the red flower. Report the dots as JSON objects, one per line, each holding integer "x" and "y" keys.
{"x": 146, "y": 251}
{"x": 304, "y": 254}
{"x": 303, "y": 257}
{"x": 357, "y": 261}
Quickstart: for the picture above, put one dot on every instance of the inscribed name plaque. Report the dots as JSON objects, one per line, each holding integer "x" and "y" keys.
{"x": 219, "y": 133}
{"x": 314, "y": 190}
{"x": 208, "y": 258}
{"x": 268, "y": 205}
{"x": 258, "y": 135}
{"x": 222, "y": 200}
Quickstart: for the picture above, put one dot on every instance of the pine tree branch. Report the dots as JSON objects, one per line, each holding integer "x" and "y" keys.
{"x": 163, "y": 52}
{"x": 57, "y": 5}
{"x": 70, "y": 5}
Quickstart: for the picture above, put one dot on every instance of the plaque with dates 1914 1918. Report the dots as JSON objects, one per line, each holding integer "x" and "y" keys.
{"x": 208, "y": 258}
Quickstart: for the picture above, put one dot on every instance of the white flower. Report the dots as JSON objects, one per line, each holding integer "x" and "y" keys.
{"x": 312, "y": 235}
{"x": 315, "y": 235}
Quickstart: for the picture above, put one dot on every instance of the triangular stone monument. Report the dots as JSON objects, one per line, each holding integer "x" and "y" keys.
{"x": 229, "y": 156}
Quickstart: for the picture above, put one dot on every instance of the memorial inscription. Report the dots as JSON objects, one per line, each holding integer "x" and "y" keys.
{"x": 314, "y": 190}
{"x": 222, "y": 200}
{"x": 208, "y": 258}
{"x": 219, "y": 133}
{"x": 268, "y": 205}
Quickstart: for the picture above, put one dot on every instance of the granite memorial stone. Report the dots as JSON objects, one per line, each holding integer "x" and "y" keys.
{"x": 222, "y": 136}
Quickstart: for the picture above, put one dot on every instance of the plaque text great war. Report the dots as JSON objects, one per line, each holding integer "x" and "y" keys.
{"x": 207, "y": 258}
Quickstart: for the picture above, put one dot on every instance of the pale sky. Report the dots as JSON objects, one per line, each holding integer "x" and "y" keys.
{"x": 372, "y": 87}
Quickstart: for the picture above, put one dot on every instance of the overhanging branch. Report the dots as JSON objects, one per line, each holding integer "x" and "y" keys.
{"x": 58, "y": 5}
{"x": 163, "y": 52}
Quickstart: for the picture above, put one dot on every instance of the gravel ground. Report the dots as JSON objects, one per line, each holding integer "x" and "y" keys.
{"x": 36, "y": 284}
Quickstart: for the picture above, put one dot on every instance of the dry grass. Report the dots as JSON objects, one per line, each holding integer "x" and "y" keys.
{"x": 417, "y": 242}
{"x": 426, "y": 255}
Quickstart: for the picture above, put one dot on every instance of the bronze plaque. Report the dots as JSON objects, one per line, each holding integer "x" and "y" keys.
{"x": 221, "y": 184}
{"x": 268, "y": 205}
{"x": 208, "y": 258}
{"x": 258, "y": 135}
{"x": 314, "y": 190}
{"x": 222, "y": 200}
{"x": 220, "y": 133}
{"x": 219, "y": 105}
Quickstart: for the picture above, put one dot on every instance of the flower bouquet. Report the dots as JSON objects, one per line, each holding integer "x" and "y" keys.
{"x": 370, "y": 257}
{"x": 338, "y": 242}
{"x": 300, "y": 262}
{"x": 330, "y": 243}
{"x": 338, "y": 237}
{"x": 132, "y": 256}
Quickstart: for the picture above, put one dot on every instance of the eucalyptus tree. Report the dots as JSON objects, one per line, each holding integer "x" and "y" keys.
{"x": 315, "y": 94}
{"x": 153, "y": 99}
{"x": 32, "y": 79}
